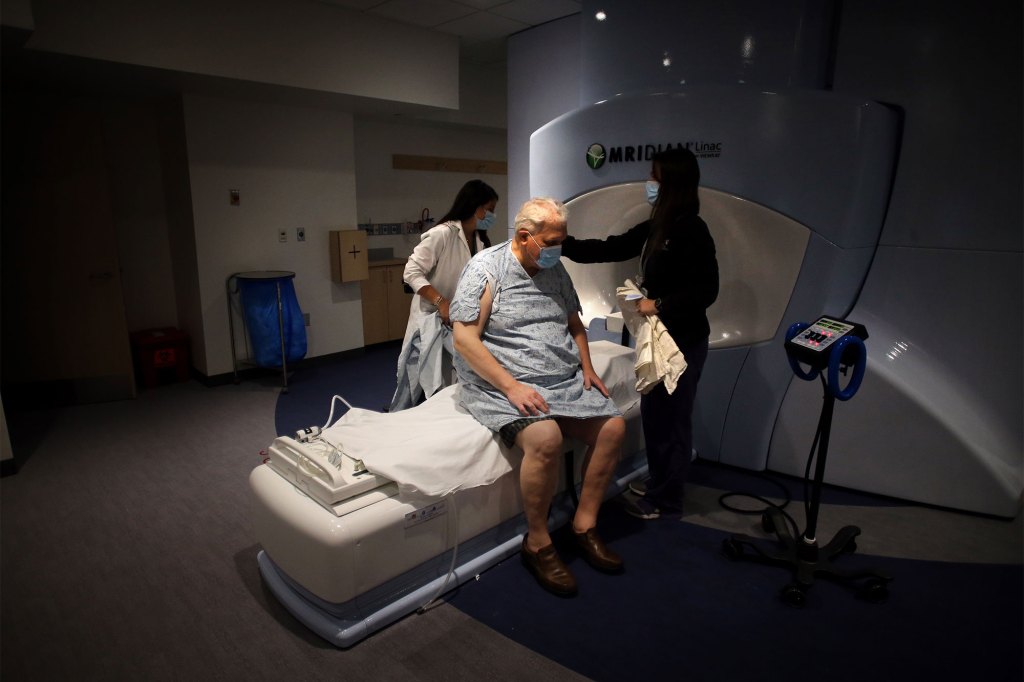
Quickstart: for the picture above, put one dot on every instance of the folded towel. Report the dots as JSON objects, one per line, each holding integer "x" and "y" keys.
{"x": 658, "y": 358}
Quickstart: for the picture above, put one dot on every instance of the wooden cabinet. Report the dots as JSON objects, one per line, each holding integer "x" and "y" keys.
{"x": 385, "y": 302}
{"x": 349, "y": 252}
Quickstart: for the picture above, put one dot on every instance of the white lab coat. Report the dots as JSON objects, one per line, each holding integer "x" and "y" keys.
{"x": 437, "y": 260}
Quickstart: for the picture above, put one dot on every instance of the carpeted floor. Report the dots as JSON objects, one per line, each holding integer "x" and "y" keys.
{"x": 682, "y": 606}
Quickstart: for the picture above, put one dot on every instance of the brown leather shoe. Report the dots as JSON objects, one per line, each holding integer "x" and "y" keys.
{"x": 597, "y": 553}
{"x": 548, "y": 569}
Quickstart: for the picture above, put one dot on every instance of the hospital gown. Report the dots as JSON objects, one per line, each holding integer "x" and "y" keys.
{"x": 528, "y": 334}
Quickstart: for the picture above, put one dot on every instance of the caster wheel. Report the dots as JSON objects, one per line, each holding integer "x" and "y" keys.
{"x": 874, "y": 591}
{"x": 794, "y": 596}
{"x": 767, "y": 525}
{"x": 732, "y": 549}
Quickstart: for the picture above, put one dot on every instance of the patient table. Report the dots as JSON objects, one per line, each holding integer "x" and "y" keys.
{"x": 386, "y": 512}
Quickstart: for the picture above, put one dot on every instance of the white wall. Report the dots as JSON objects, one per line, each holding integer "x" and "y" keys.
{"x": 386, "y": 195}
{"x": 301, "y": 44}
{"x": 173, "y": 162}
{"x": 554, "y": 51}
{"x": 294, "y": 167}
{"x": 482, "y": 100}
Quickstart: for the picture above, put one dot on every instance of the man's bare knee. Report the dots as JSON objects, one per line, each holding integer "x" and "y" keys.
{"x": 541, "y": 439}
{"x": 599, "y": 431}
{"x": 614, "y": 431}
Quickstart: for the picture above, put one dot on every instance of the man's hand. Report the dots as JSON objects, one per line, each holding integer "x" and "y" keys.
{"x": 443, "y": 309}
{"x": 592, "y": 379}
{"x": 527, "y": 400}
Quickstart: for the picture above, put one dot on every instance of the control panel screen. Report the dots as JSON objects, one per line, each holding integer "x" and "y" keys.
{"x": 822, "y": 334}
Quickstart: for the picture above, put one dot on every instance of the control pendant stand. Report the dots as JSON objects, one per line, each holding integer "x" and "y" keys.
{"x": 832, "y": 346}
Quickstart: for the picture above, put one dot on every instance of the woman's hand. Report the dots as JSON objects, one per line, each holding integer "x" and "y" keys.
{"x": 443, "y": 309}
{"x": 646, "y": 307}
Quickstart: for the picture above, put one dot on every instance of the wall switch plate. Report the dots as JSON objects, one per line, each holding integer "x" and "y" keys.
{"x": 300, "y": 234}
{"x": 282, "y": 235}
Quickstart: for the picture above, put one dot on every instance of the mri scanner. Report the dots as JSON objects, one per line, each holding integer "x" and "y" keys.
{"x": 794, "y": 188}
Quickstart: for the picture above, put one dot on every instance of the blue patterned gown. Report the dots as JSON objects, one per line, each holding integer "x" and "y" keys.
{"x": 528, "y": 334}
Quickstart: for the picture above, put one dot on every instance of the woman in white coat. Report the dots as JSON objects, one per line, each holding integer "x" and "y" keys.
{"x": 432, "y": 271}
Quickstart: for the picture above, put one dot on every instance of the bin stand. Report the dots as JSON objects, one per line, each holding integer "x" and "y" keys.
{"x": 266, "y": 274}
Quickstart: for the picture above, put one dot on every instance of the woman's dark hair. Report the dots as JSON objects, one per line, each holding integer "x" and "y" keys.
{"x": 677, "y": 191}
{"x": 472, "y": 196}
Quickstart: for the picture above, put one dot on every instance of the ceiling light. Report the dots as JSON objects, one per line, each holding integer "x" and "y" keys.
{"x": 600, "y": 16}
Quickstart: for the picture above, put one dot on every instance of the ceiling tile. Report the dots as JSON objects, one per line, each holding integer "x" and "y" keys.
{"x": 427, "y": 13}
{"x": 534, "y": 12}
{"x": 353, "y": 4}
{"x": 483, "y": 4}
{"x": 480, "y": 26}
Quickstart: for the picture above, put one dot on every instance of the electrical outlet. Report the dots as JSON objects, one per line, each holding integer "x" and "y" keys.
{"x": 300, "y": 234}
{"x": 282, "y": 235}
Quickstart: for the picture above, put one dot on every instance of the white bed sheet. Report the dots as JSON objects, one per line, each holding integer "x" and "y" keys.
{"x": 437, "y": 447}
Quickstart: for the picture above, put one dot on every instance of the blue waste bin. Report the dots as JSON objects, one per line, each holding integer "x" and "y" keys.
{"x": 273, "y": 319}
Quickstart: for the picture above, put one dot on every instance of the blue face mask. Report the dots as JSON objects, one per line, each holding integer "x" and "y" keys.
{"x": 652, "y": 188}
{"x": 549, "y": 255}
{"x": 485, "y": 222}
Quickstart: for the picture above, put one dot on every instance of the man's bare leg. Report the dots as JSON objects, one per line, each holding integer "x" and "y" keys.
{"x": 603, "y": 437}
{"x": 542, "y": 448}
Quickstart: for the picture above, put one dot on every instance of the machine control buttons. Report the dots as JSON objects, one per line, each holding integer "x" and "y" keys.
{"x": 811, "y": 344}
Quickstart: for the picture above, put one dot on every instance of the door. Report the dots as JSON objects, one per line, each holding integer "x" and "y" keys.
{"x": 63, "y": 312}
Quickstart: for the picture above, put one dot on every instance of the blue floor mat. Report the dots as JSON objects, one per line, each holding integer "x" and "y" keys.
{"x": 366, "y": 381}
{"x": 773, "y": 485}
{"x": 681, "y": 606}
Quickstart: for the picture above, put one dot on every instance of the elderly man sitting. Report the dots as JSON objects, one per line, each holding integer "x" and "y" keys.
{"x": 525, "y": 371}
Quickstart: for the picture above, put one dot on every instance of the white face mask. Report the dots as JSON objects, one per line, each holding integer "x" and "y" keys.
{"x": 485, "y": 222}
{"x": 549, "y": 255}
{"x": 652, "y": 188}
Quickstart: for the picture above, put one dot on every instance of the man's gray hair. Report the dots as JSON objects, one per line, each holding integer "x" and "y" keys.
{"x": 540, "y": 210}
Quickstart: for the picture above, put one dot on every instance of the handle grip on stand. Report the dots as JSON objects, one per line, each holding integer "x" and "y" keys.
{"x": 794, "y": 331}
{"x": 859, "y": 365}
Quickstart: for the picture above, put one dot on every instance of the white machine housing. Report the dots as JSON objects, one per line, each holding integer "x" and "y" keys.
{"x": 767, "y": 96}
{"x": 794, "y": 189}
{"x": 348, "y": 552}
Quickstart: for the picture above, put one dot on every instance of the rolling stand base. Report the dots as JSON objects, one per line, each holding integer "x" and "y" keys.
{"x": 807, "y": 559}
{"x": 829, "y": 346}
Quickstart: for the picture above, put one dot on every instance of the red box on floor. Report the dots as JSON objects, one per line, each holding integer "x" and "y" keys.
{"x": 157, "y": 352}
